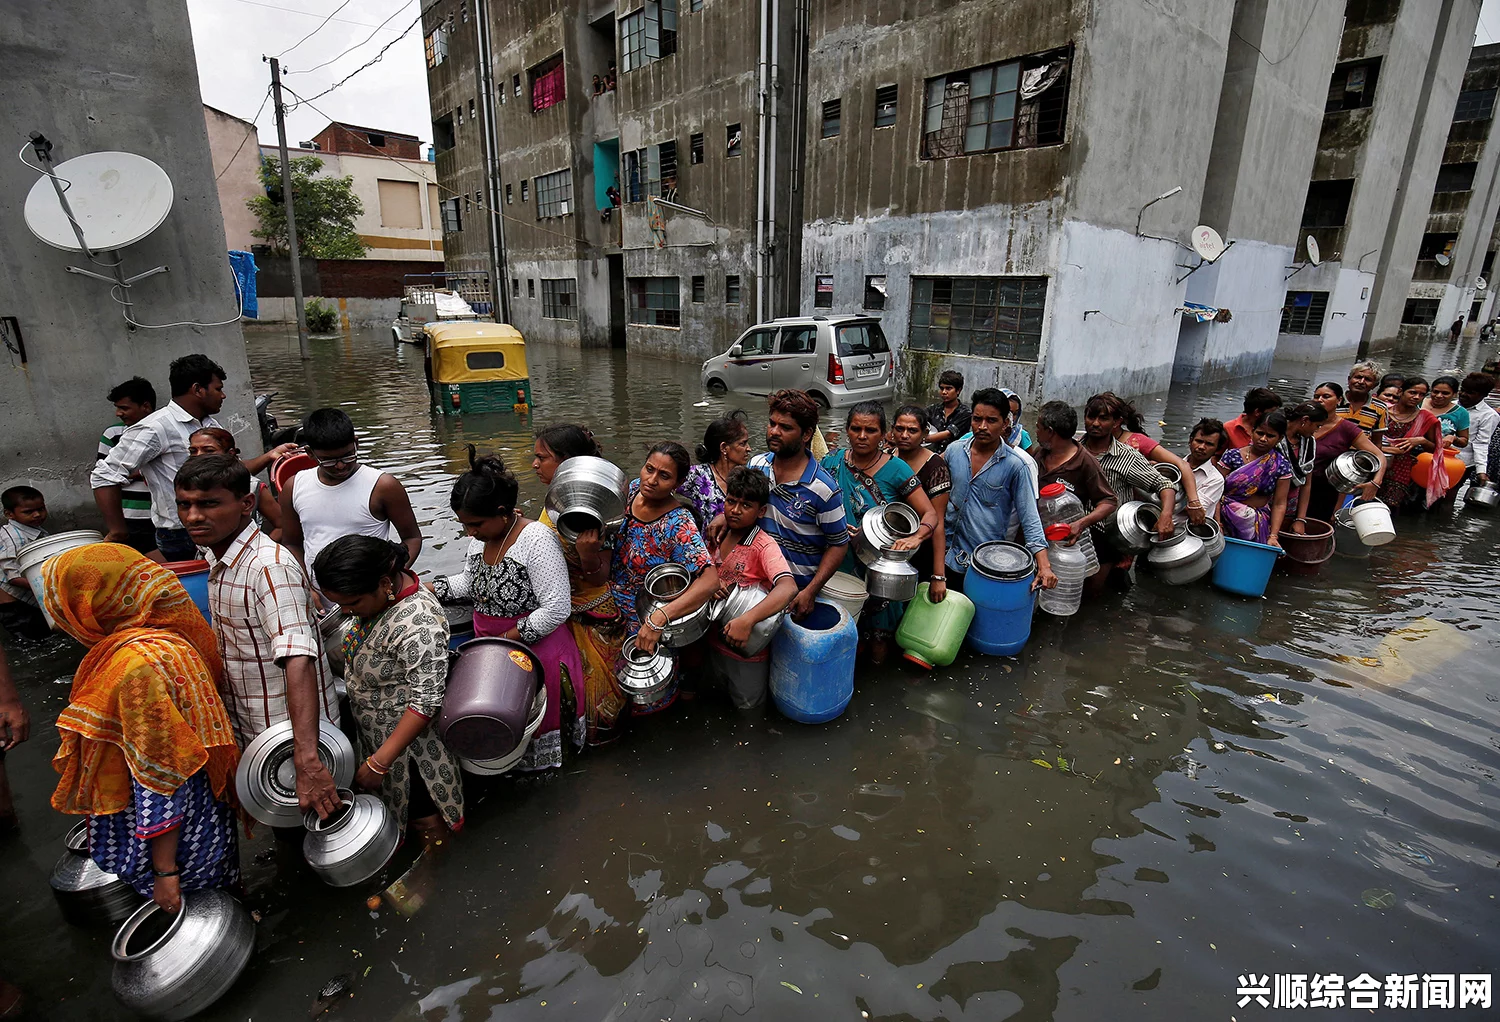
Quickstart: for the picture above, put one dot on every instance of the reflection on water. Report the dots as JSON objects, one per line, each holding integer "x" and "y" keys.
{"x": 1168, "y": 790}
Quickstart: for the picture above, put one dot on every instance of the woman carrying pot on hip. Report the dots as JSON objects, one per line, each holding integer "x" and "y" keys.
{"x": 597, "y": 626}
{"x": 658, "y": 530}
{"x": 1332, "y": 437}
{"x": 725, "y": 447}
{"x": 515, "y": 574}
{"x": 396, "y": 669}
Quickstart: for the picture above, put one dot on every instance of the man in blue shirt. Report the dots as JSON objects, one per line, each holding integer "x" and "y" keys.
{"x": 806, "y": 512}
{"x": 989, "y": 482}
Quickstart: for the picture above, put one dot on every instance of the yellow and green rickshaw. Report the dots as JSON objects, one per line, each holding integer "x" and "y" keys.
{"x": 477, "y": 367}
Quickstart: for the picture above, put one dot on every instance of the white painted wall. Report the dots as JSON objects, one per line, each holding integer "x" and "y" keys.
{"x": 1348, "y": 302}
{"x": 1248, "y": 281}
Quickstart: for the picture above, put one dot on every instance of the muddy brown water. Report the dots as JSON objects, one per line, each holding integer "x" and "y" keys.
{"x": 1171, "y": 789}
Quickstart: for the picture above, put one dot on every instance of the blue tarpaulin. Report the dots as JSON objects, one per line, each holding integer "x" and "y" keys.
{"x": 243, "y": 265}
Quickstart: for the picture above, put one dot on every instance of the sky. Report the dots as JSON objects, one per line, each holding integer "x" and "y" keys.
{"x": 230, "y": 37}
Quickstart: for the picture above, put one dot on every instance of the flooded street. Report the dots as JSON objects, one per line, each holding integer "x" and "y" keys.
{"x": 1171, "y": 789}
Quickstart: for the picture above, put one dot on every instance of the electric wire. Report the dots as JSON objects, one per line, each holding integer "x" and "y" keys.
{"x": 1310, "y": 16}
{"x": 362, "y": 42}
{"x": 255, "y": 117}
{"x": 305, "y": 14}
{"x": 314, "y": 32}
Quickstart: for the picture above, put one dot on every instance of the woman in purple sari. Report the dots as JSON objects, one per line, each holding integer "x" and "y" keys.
{"x": 1257, "y": 479}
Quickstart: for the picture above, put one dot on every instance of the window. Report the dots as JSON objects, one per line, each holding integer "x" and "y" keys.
{"x": 525, "y": 191}
{"x": 832, "y": 114}
{"x": 874, "y": 292}
{"x": 885, "y": 106}
{"x": 375, "y": 139}
{"x": 1474, "y": 105}
{"x": 799, "y": 340}
{"x": 731, "y": 289}
{"x": 1456, "y": 177}
{"x": 507, "y": 195}
{"x": 436, "y": 45}
{"x": 1420, "y": 311}
{"x": 1362, "y": 13}
{"x": 632, "y": 41}
{"x": 515, "y": 287}
{"x": 1016, "y": 105}
{"x": 994, "y": 317}
{"x": 1436, "y": 244}
{"x": 485, "y": 360}
{"x": 823, "y": 292}
{"x": 531, "y": 287}
{"x": 442, "y": 134}
{"x": 1327, "y": 203}
{"x": 732, "y": 140}
{"x": 472, "y": 116}
{"x": 515, "y": 84}
{"x": 695, "y": 5}
{"x": 547, "y": 83}
{"x": 1353, "y": 85}
{"x": 651, "y": 171}
{"x": 452, "y": 216}
{"x": 464, "y": 10}
{"x": 1303, "y": 312}
{"x": 700, "y": 289}
{"x": 758, "y": 342}
{"x": 695, "y": 148}
{"x": 648, "y": 34}
{"x": 860, "y": 339}
{"x": 1476, "y": 309}
{"x": 400, "y": 203}
{"x": 560, "y": 298}
{"x": 458, "y": 115}
{"x": 1489, "y": 264}
{"x": 654, "y": 301}
{"x": 554, "y": 194}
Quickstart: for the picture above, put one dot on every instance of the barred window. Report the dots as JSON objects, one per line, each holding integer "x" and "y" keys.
{"x": 1018, "y": 104}
{"x": 731, "y": 289}
{"x": 1303, "y": 312}
{"x": 885, "y": 106}
{"x": 655, "y": 301}
{"x": 560, "y": 298}
{"x": 695, "y": 148}
{"x": 1420, "y": 311}
{"x": 993, "y": 317}
{"x": 554, "y": 194}
{"x": 650, "y": 171}
{"x": 833, "y": 114}
{"x": 1474, "y": 105}
{"x": 700, "y": 290}
{"x": 530, "y": 287}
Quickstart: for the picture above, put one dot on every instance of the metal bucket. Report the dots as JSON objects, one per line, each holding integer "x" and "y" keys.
{"x": 1346, "y": 541}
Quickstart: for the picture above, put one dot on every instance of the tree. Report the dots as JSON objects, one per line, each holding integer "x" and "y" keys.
{"x": 326, "y": 210}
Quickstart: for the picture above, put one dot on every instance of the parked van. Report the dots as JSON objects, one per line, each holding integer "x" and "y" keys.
{"x": 839, "y": 360}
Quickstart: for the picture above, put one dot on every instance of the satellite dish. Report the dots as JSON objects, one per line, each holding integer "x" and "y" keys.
{"x": 1207, "y": 243}
{"x": 1442, "y": 259}
{"x": 1480, "y": 284}
{"x": 117, "y": 198}
{"x": 1314, "y": 253}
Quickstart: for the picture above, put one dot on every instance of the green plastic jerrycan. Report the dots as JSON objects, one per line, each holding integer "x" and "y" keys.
{"x": 930, "y": 634}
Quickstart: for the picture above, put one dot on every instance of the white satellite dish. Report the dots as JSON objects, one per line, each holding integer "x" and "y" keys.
{"x": 1480, "y": 284}
{"x": 1314, "y": 253}
{"x": 117, "y": 199}
{"x": 1442, "y": 259}
{"x": 1207, "y": 243}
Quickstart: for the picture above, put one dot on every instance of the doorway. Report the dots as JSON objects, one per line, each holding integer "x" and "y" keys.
{"x": 617, "y": 301}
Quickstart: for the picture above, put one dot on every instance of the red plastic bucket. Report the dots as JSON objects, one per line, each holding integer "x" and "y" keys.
{"x": 283, "y": 470}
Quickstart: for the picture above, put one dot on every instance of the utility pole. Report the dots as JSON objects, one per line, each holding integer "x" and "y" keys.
{"x": 286, "y": 199}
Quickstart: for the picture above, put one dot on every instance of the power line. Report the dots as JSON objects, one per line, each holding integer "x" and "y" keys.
{"x": 1310, "y": 16}
{"x": 305, "y": 14}
{"x": 314, "y": 32}
{"x": 369, "y": 63}
{"x": 253, "y": 119}
{"x": 383, "y": 24}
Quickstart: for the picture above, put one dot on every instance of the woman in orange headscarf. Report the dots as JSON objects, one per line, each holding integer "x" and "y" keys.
{"x": 148, "y": 753}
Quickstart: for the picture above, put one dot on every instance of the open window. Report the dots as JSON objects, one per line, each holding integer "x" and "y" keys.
{"x": 1327, "y": 203}
{"x": 1017, "y": 104}
{"x": 1353, "y": 85}
{"x": 547, "y": 83}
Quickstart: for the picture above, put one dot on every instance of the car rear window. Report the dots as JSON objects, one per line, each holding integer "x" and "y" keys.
{"x": 861, "y": 339}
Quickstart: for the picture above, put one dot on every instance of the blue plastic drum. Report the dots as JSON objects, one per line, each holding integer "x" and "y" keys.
{"x": 812, "y": 664}
{"x": 194, "y": 578}
{"x": 1244, "y": 568}
{"x": 999, "y": 583}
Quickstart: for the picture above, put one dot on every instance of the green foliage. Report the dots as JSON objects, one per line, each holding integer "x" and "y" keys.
{"x": 326, "y": 210}
{"x": 321, "y": 319}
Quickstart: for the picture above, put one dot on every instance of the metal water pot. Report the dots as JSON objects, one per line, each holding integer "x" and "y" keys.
{"x": 587, "y": 493}
{"x": 1180, "y": 558}
{"x": 1172, "y": 474}
{"x": 354, "y": 843}
{"x": 739, "y": 601}
{"x": 266, "y": 780}
{"x": 663, "y": 584}
{"x": 334, "y": 624}
{"x": 1132, "y": 526}
{"x": 649, "y": 679}
{"x": 85, "y": 893}
{"x": 1483, "y": 496}
{"x": 891, "y": 579}
{"x": 1211, "y": 535}
{"x": 879, "y": 529}
{"x": 174, "y": 966}
{"x": 1351, "y": 470}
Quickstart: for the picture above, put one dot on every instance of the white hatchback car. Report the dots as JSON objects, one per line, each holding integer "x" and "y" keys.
{"x": 839, "y": 360}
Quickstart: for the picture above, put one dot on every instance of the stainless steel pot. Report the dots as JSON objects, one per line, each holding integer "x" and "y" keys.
{"x": 1351, "y": 470}
{"x": 334, "y": 624}
{"x": 890, "y": 579}
{"x": 740, "y": 601}
{"x": 1346, "y": 541}
{"x": 1132, "y": 526}
{"x": 1173, "y": 475}
{"x": 491, "y": 687}
{"x": 587, "y": 493}
{"x": 649, "y": 679}
{"x": 266, "y": 780}
{"x": 85, "y": 893}
{"x": 1180, "y": 558}
{"x": 354, "y": 843}
{"x": 1211, "y": 535}
{"x": 504, "y": 764}
{"x": 663, "y": 584}
{"x": 173, "y": 967}
{"x": 880, "y": 527}
{"x": 1485, "y": 495}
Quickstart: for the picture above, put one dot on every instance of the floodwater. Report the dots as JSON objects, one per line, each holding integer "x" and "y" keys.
{"x": 1173, "y": 788}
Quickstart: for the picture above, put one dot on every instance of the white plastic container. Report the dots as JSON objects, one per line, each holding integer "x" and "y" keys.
{"x": 847, "y": 591}
{"x": 34, "y": 556}
{"x": 1059, "y": 505}
{"x": 1070, "y": 565}
{"x": 1373, "y": 520}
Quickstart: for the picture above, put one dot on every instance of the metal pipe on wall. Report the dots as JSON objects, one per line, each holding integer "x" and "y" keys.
{"x": 760, "y": 156}
{"x": 771, "y": 158}
{"x": 499, "y": 293}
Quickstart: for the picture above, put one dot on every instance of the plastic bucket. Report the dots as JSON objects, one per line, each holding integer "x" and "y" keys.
{"x": 283, "y": 470}
{"x": 38, "y": 552}
{"x": 194, "y": 578}
{"x": 1373, "y": 520}
{"x": 1244, "y": 567}
{"x": 812, "y": 664}
{"x": 1306, "y": 553}
{"x": 847, "y": 591}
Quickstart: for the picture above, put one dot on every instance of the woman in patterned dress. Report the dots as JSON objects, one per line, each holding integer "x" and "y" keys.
{"x": 725, "y": 447}
{"x": 148, "y": 752}
{"x": 909, "y": 428}
{"x": 396, "y": 669}
{"x": 596, "y": 624}
{"x": 516, "y": 575}
{"x": 1410, "y": 430}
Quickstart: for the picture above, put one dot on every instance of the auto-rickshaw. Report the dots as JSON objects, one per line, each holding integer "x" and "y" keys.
{"x": 476, "y": 367}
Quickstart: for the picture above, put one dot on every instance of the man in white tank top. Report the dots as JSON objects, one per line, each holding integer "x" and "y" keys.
{"x": 341, "y": 497}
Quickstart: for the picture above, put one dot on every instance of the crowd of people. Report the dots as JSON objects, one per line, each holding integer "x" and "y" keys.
{"x": 164, "y": 701}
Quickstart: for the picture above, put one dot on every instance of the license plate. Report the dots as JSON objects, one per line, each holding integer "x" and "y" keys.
{"x": 869, "y": 369}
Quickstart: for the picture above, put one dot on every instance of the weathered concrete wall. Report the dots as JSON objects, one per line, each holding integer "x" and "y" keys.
{"x": 1348, "y": 299}
{"x": 235, "y": 150}
{"x": 451, "y": 87}
{"x": 129, "y": 89}
{"x": 376, "y": 312}
{"x": 1248, "y": 281}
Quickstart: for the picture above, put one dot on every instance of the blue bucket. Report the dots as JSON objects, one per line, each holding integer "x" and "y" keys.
{"x": 1244, "y": 567}
{"x": 194, "y": 578}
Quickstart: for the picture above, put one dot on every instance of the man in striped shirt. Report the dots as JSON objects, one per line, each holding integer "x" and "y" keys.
{"x": 806, "y": 512}
{"x": 133, "y": 400}
{"x": 263, "y": 616}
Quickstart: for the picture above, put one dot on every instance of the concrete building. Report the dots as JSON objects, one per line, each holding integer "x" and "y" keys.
{"x": 621, "y": 152}
{"x": 1399, "y": 64}
{"x": 234, "y": 146}
{"x": 1457, "y": 252}
{"x": 64, "y": 342}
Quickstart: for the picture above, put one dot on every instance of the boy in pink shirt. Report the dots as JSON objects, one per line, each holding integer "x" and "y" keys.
{"x": 746, "y": 556}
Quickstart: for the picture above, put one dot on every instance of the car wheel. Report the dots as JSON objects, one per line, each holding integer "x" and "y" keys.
{"x": 716, "y": 386}
{"x": 821, "y": 399}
